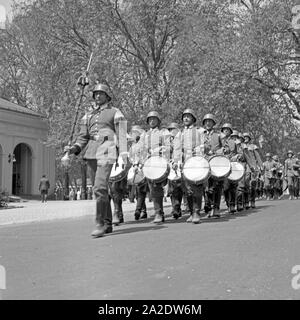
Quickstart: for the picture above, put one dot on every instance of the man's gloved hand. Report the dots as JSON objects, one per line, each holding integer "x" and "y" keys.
{"x": 70, "y": 149}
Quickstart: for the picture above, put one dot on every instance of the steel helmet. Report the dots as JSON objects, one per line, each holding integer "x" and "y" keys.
{"x": 275, "y": 157}
{"x": 268, "y": 155}
{"x": 173, "y": 125}
{"x": 235, "y": 133}
{"x": 102, "y": 87}
{"x": 246, "y": 134}
{"x": 241, "y": 136}
{"x": 153, "y": 114}
{"x": 209, "y": 116}
{"x": 189, "y": 111}
{"x": 136, "y": 128}
{"x": 228, "y": 126}
{"x": 290, "y": 151}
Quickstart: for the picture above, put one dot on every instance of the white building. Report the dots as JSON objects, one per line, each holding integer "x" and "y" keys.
{"x": 24, "y": 156}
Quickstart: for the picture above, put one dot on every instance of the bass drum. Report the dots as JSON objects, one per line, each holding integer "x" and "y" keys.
{"x": 135, "y": 178}
{"x": 156, "y": 169}
{"x": 118, "y": 171}
{"x": 220, "y": 167}
{"x": 237, "y": 171}
{"x": 196, "y": 170}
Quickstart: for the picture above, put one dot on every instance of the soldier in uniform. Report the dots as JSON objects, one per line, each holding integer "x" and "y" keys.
{"x": 175, "y": 186}
{"x": 140, "y": 188}
{"x": 268, "y": 168}
{"x": 189, "y": 143}
{"x": 212, "y": 146}
{"x": 99, "y": 131}
{"x": 251, "y": 173}
{"x": 278, "y": 174}
{"x": 291, "y": 172}
{"x": 153, "y": 143}
{"x": 229, "y": 150}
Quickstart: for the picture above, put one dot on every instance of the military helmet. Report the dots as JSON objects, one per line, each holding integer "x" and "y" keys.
{"x": 268, "y": 155}
{"x": 190, "y": 111}
{"x": 228, "y": 126}
{"x": 173, "y": 125}
{"x": 102, "y": 87}
{"x": 209, "y": 116}
{"x": 235, "y": 133}
{"x": 241, "y": 136}
{"x": 247, "y": 134}
{"x": 275, "y": 157}
{"x": 290, "y": 151}
{"x": 153, "y": 114}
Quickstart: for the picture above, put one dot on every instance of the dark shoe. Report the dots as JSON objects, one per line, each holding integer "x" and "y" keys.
{"x": 240, "y": 208}
{"x": 196, "y": 217}
{"x": 176, "y": 215}
{"x": 159, "y": 218}
{"x": 137, "y": 215}
{"x": 253, "y": 205}
{"x": 121, "y": 218}
{"x": 232, "y": 209}
{"x": 144, "y": 215}
{"x": 101, "y": 230}
{"x": 247, "y": 206}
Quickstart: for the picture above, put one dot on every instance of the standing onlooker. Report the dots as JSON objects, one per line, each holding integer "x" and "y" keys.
{"x": 78, "y": 194}
{"x": 44, "y": 187}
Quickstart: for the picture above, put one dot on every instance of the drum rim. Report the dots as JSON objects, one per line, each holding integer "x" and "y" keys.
{"x": 164, "y": 176}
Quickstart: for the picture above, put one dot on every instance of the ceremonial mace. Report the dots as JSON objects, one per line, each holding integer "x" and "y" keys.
{"x": 83, "y": 81}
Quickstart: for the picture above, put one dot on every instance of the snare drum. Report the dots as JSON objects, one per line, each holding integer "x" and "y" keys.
{"x": 136, "y": 178}
{"x": 118, "y": 171}
{"x": 237, "y": 171}
{"x": 156, "y": 169}
{"x": 196, "y": 170}
{"x": 220, "y": 167}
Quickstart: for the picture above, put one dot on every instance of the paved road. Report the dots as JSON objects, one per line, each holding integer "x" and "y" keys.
{"x": 245, "y": 256}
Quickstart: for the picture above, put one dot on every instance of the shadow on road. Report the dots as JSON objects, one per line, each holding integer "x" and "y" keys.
{"x": 135, "y": 229}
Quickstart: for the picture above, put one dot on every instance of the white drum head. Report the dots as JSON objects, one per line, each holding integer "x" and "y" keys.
{"x": 196, "y": 169}
{"x": 237, "y": 171}
{"x": 155, "y": 168}
{"x": 220, "y": 166}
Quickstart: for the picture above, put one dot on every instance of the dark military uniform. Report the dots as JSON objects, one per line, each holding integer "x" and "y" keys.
{"x": 291, "y": 172}
{"x": 269, "y": 167}
{"x": 189, "y": 143}
{"x": 98, "y": 131}
{"x": 229, "y": 187}
{"x": 212, "y": 146}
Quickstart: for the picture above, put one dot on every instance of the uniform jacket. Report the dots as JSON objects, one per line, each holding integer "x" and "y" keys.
{"x": 44, "y": 184}
{"x": 152, "y": 143}
{"x": 98, "y": 133}
{"x": 188, "y": 143}
{"x": 267, "y": 167}
{"x": 212, "y": 142}
{"x": 291, "y": 167}
{"x": 229, "y": 147}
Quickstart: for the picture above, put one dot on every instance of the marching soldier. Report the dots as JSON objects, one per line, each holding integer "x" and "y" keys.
{"x": 140, "y": 187}
{"x": 187, "y": 144}
{"x": 99, "y": 131}
{"x": 212, "y": 145}
{"x": 291, "y": 172}
{"x": 153, "y": 143}
{"x": 278, "y": 174}
{"x": 251, "y": 173}
{"x": 175, "y": 185}
{"x": 268, "y": 168}
{"x": 229, "y": 150}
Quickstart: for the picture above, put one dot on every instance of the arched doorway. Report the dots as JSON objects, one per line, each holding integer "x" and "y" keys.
{"x": 22, "y": 170}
